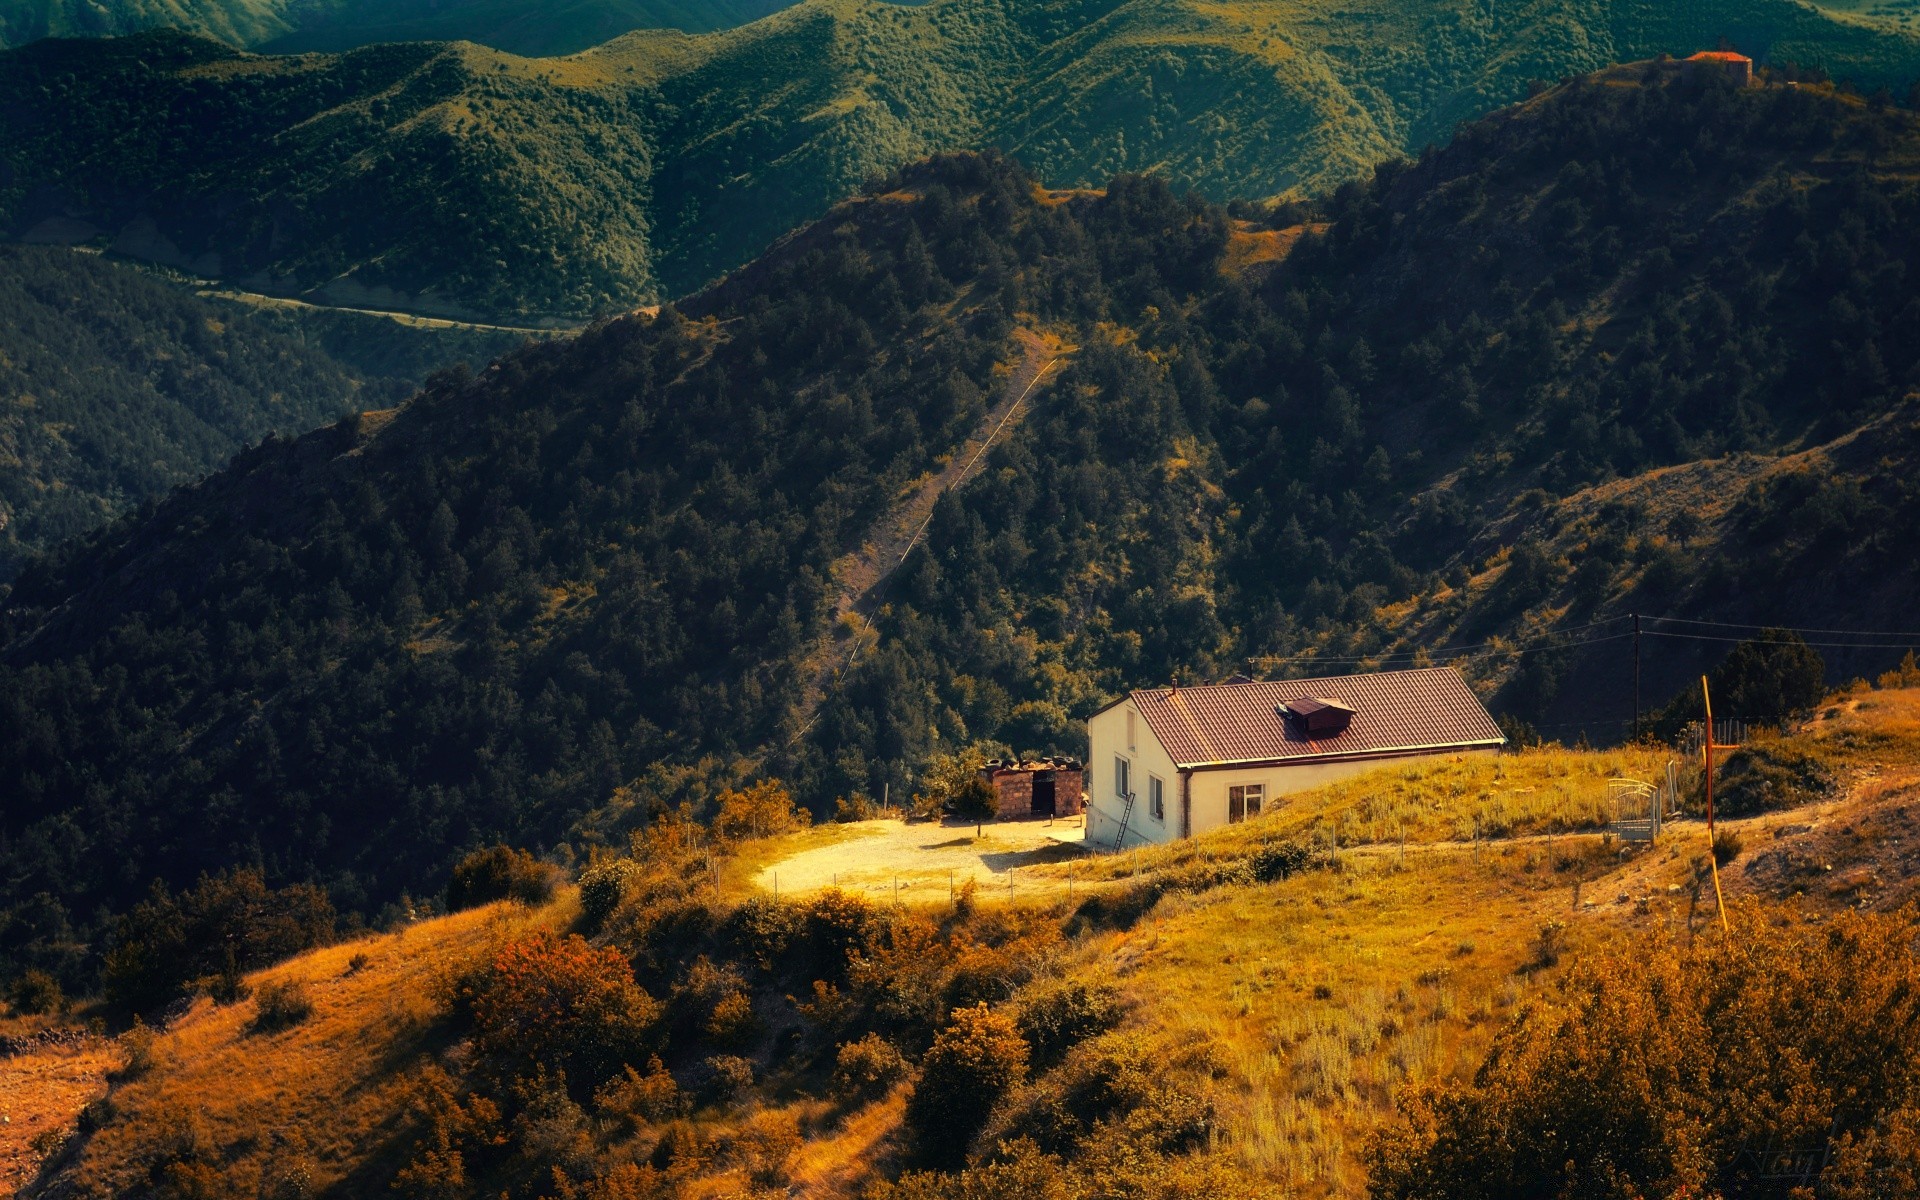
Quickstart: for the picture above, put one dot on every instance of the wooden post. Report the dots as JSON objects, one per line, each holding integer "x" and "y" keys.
{"x": 950, "y": 903}
{"x": 1713, "y": 859}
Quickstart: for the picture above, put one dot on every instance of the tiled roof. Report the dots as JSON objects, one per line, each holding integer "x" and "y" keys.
{"x": 1431, "y": 708}
{"x": 1718, "y": 56}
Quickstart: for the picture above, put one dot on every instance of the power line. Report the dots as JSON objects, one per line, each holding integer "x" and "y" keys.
{"x": 1502, "y": 649}
{"x": 1894, "y": 633}
{"x": 1707, "y": 637}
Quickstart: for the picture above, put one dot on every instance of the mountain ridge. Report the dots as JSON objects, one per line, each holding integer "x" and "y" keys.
{"x": 650, "y": 165}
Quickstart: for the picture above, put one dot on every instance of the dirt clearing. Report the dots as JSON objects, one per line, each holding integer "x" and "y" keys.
{"x": 922, "y": 859}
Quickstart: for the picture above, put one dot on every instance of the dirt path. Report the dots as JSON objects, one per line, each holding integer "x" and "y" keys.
{"x": 41, "y": 1095}
{"x": 417, "y": 321}
{"x": 859, "y": 574}
{"x": 923, "y": 859}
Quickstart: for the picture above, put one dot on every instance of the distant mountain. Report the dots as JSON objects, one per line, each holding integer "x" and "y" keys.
{"x": 1642, "y": 343}
{"x": 454, "y": 179}
{"x": 535, "y": 27}
{"x": 115, "y": 387}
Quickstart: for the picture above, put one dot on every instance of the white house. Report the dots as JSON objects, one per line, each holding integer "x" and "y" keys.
{"x": 1197, "y": 758}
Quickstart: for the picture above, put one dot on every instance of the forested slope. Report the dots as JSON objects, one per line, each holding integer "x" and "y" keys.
{"x": 457, "y": 179}
{"x": 115, "y": 387}
{"x": 542, "y": 603}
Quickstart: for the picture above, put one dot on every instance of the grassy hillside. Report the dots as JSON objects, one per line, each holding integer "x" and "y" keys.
{"x": 1193, "y": 1022}
{"x": 603, "y": 578}
{"x": 537, "y": 27}
{"x": 459, "y": 179}
{"x": 116, "y": 387}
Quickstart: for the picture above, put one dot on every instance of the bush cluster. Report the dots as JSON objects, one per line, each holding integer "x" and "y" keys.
{"x": 500, "y": 873}
{"x": 1658, "y": 1072}
{"x": 224, "y": 925}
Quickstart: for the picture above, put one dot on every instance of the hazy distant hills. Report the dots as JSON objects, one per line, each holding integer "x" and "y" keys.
{"x": 1635, "y": 345}
{"x": 458, "y": 179}
{"x": 292, "y": 26}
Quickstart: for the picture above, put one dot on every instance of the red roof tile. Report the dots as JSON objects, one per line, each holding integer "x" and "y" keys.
{"x": 1718, "y": 56}
{"x": 1430, "y": 708}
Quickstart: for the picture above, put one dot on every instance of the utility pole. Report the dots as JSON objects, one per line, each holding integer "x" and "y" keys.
{"x": 1636, "y": 677}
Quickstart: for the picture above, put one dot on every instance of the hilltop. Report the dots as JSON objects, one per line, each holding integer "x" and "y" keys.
{"x": 116, "y": 386}
{"x": 461, "y": 180}
{"x": 549, "y": 602}
{"x": 1273, "y": 1009}
{"x": 534, "y": 27}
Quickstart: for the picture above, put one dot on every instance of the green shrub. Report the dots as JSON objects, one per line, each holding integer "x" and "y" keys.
{"x": 500, "y": 873}
{"x": 867, "y": 1069}
{"x": 722, "y": 1079}
{"x": 36, "y": 993}
{"x": 1055, "y": 1017}
{"x": 973, "y": 1062}
{"x": 1278, "y": 860}
{"x": 1770, "y": 775}
{"x": 281, "y": 1005}
{"x": 603, "y": 886}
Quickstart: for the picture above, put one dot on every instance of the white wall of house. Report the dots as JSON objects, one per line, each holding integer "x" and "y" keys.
{"x": 1210, "y": 785}
{"x": 1108, "y": 734}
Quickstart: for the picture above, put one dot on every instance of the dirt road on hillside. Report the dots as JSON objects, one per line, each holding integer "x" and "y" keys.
{"x": 860, "y": 574}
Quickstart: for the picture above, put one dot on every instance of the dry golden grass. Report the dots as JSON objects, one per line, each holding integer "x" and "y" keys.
{"x": 41, "y": 1095}
{"x": 1303, "y": 1008}
{"x": 1536, "y": 792}
{"x": 1322, "y": 997}
{"x": 318, "y": 1097}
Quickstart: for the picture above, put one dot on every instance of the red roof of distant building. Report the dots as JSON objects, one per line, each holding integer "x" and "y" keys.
{"x": 1430, "y": 708}
{"x": 1726, "y": 56}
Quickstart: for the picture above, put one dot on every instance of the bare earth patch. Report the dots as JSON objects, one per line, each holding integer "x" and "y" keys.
{"x": 41, "y": 1095}
{"x": 924, "y": 858}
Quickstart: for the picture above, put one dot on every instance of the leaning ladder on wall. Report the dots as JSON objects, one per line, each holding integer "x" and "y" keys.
{"x": 1126, "y": 815}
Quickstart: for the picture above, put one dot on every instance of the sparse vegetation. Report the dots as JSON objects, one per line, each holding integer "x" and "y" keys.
{"x": 280, "y": 1004}
{"x": 1664, "y": 1065}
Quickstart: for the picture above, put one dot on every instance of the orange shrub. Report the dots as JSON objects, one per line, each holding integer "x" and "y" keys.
{"x": 764, "y": 809}
{"x": 562, "y": 1003}
{"x": 974, "y": 1061}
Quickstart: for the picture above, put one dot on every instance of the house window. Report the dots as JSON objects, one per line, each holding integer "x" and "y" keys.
{"x": 1122, "y": 778}
{"x": 1130, "y": 744}
{"x": 1157, "y": 797}
{"x": 1243, "y": 801}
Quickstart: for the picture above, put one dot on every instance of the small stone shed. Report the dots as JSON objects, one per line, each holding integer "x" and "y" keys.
{"x": 1047, "y": 787}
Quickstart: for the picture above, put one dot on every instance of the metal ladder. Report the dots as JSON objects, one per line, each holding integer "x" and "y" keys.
{"x": 1126, "y": 815}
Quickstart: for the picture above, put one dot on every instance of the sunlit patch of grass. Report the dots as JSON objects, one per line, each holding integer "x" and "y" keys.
{"x": 336, "y": 1085}
{"x": 1322, "y": 997}
{"x": 1533, "y": 792}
